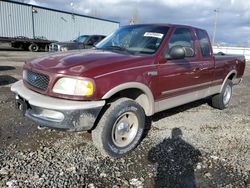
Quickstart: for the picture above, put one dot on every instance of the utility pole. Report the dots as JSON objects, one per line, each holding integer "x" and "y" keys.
{"x": 215, "y": 25}
{"x": 33, "y": 11}
{"x": 73, "y": 19}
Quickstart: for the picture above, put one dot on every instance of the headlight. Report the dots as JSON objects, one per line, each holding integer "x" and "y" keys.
{"x": 71, "y": 86}
{"x": 64, "y": 49}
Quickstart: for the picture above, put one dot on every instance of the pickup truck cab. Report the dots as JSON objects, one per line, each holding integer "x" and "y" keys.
{"x": 132, "y": 74}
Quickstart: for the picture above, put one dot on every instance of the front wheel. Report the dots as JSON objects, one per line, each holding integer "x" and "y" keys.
{"x": 120, "y": 129}
{"x": 222, "y": 100}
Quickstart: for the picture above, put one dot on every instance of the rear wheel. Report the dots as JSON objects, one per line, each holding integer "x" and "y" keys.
{"x": 33, "y": 47}
{"x": 120, "y": 129}
{"x": 222, "y": 100}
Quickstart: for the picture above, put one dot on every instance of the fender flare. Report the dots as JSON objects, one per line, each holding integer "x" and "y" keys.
{"x": 134, "y": 85}
{"x": 228, "y": 75}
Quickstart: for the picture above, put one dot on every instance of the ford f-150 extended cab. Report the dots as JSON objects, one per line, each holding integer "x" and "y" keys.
{"x": 135, "y": 72}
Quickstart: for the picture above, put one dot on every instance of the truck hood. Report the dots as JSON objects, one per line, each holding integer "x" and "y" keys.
{"x": 78, "y": 62}
{"x": 66, "y": 43}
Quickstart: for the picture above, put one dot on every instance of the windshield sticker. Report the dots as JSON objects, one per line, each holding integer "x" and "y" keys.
{"x": 152, "y": 34}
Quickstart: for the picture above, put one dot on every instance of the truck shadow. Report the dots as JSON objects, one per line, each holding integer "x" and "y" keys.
{"x": 6, "y": 68}
{"x": 6, "y": 80}
{"x": 176, "y": 160}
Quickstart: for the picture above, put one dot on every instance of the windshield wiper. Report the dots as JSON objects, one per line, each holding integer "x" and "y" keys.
{"x": 118, "y": 48}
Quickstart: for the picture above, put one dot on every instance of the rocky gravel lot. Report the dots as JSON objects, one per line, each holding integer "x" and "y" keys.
{"x": 189, "y": 146}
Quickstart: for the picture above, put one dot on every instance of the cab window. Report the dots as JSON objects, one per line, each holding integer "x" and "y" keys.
{"x": 182, "y": 37}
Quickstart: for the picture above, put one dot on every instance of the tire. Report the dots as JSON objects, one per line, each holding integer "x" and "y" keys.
{"x": 120, "y": 129}
{"x": 33, "y": 47}
{"x": 222, "y": 100}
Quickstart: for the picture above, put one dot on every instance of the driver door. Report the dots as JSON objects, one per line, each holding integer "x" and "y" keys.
{"x": 179, "y": 77}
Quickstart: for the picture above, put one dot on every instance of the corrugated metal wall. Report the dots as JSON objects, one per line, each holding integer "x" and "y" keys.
{"x": 16, "y": 20}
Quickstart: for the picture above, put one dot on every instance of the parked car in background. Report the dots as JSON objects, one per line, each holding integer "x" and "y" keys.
{"x": 82, "y": 42}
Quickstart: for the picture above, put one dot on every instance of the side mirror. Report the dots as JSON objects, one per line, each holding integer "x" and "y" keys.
{"x": 176, "y": 52}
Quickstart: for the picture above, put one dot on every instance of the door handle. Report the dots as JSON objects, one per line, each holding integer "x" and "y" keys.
{"x": 197, "y": 69}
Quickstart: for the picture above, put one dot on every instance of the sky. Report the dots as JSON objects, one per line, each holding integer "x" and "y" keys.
{"x": 233, "y": 16}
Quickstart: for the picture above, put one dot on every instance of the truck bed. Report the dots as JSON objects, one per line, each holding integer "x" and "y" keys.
{"x": 222, "y": 56}
{"x": 24, "y": 39}
{"x": 25, "y": 43}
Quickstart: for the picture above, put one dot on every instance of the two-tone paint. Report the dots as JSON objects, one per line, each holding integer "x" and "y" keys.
{"x": 161, "y": 83}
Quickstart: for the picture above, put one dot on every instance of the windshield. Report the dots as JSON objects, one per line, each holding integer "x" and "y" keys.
{"x": 81, "y": 38}
{"x": 136, "y": 39}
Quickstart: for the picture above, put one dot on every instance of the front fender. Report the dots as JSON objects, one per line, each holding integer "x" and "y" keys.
{"x": 134, "y": 85}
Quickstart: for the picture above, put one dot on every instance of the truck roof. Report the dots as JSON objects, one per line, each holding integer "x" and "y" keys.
{"x": 167, "y": 24}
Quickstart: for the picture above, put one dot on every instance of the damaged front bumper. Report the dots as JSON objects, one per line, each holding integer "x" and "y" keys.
{"x": 56, "y": 113}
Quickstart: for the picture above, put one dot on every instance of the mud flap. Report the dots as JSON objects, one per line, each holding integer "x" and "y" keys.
{"x": 21, "y": 105}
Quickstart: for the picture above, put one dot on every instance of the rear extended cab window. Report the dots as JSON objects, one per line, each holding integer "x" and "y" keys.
{"x": 204, "y": 43}
{"x": 182, "y": 37}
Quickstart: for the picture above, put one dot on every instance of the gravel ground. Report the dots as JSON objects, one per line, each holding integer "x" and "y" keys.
{"x": 189, "y": 146}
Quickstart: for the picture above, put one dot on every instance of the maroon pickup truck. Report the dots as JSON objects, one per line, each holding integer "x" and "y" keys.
{"x": 134, "y": 73}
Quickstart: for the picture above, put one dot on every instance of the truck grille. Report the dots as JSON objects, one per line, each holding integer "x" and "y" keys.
{"x": 37, "y": 80}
